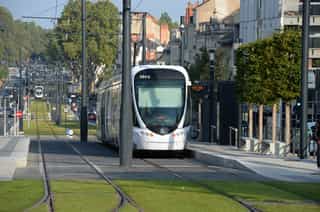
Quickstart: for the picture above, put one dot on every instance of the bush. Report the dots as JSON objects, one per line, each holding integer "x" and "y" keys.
{"x": 3, "y": 72}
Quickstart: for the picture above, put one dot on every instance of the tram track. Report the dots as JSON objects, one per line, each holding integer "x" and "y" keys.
{"x": 124, "y": 199}
{"x": 245, "y": 204}
{"x": 48, "y": 196}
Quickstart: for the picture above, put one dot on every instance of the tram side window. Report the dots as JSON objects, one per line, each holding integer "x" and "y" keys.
{"x": 134, "y": 117}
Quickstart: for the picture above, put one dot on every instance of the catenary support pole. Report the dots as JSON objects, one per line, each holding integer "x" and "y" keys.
{"x": 144, "y": 38}
{"x": 58, "y": 120}
{"x": 126, "y": 93}
{"x": 304, "y": 78}
{"x": 5, "y": 116}
{"x": 20, "y": 101}
{"x": 182, "y": 40}
{"x": 84, "y": 84}
{"x": 212, "y": 94}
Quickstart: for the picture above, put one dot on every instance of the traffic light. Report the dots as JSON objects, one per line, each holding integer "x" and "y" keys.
{"x": 297, "y": 112}
{"x": 297, "y": 108}
{"x": 200, "y": 88}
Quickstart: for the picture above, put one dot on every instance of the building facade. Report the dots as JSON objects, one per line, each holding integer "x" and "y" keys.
{"x": 156, "y": 34}
{"x": 214, "y": 25}
{"x": 261, "y": 18}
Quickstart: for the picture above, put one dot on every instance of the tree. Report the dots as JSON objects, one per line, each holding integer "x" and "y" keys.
{"x": 102, "y": 35}
{"x": 18, "y": 36}
{"x": 268, "y": 70}
{"x": 166, "y": 19}
{"x": 288, "y": 62}
{"x": 254, "y": 82}
{"x": 200, "y": 69}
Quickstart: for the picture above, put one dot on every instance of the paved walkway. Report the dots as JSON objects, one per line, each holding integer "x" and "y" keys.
{"x": 288, "y": 169}
{"x": 13, "y": 154}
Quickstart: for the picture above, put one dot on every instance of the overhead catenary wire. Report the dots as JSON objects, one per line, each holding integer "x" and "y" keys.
{"x": 138, "y": 5}
{"x": 49, "y": 9}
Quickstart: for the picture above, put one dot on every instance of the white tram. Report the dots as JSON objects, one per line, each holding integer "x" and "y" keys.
{"x": 161, "y": 108}
{"x": 38, "y": 92}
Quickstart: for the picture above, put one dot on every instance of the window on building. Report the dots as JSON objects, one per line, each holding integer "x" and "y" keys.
{"x": 314, "y": 42}
{"x": 316, "y": 63}
{"x": 315, "y": 9}
{"x": 260, "y": 4}
{"x": 314, "y": 29}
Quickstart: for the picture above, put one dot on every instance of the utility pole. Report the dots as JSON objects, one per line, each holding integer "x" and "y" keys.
{"x": 58, "y": 109}
{"x": 20, "y": 108}
{"x": 182, "y": 40}
{"x": 304, "y": 78}
{"x": 84, "y": 84}
{"x": 126, "y": 93}
{"x": 5, "y": 116}
{"x": 212, "y": 96}
{"x": 57, "y": 97}
{"x": 27, "y": 88}
{"x": 144, "y": 38}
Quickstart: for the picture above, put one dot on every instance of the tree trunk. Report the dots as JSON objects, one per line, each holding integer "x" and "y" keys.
{"x": 260, "y": 126}
{"x": 250, "y": 125}
{"x": 288, "y": 126}
{"x": 274, "y": 123}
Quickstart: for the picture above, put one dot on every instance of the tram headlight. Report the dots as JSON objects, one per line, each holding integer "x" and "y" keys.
{"x": 178, "y": 134}
{"x": 145, "y": 133}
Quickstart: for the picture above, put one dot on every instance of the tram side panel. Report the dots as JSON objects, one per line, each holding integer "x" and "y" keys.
{"x": 98, "y": 118}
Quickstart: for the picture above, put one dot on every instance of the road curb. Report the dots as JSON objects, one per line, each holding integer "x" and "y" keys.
{"x": 215, "y": 159}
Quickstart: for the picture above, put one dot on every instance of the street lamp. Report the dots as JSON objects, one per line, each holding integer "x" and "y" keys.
{"x": 212, "y": 95}
{"x": 181, "y": 28}
{"x": 304, "y": 78}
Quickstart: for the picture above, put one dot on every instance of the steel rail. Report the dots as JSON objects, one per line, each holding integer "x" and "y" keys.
{"x": 206, "y": 186}
{"x": 47, "y": 197}
{"x": 123, "y": 197}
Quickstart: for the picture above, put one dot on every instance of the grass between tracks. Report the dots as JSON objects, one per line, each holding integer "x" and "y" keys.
{"x": 182, "y": 196}
{"x": 163, "y": 196}
{"x": 39, "y": 109}
{"x": 77, "y": 196}
{"x": 15, "y": 196}
{"x": 274, "y": 196}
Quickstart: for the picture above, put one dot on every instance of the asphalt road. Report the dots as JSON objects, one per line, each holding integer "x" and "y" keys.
{"x": 64, "y": 163}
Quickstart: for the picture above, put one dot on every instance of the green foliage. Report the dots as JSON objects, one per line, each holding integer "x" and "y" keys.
{"x": 102, "y": 35}
{"x": 3, "y": 72}
{"x": 268, "y": 69}
{"x": 166, "y": 19}
{"x": 200, "y": 70}
{"x": 221, "y": 64}
{"x": 16, "y": 36}
{"x": 18, "y": 195}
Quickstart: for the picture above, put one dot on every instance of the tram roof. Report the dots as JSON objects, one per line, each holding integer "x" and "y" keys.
{"x": 117, "y": 78}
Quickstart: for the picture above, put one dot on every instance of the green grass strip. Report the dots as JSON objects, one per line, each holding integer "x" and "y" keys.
{"x": 17, "y": 195}
{"x": 83, "y": 196}
{"x": 39, "y": 109}
{"x": 273, "y": 196}
{"x": 163, "y": 196}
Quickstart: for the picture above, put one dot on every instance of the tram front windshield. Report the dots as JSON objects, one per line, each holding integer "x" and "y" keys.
{"x": 160, "y": 103}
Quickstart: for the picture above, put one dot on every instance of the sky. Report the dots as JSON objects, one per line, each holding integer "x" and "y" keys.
{"x": 21, "y": 8}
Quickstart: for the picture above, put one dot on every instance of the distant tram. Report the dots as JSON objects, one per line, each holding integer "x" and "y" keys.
{"x": 38, "y": 92}
{"x": 161, "y": 108}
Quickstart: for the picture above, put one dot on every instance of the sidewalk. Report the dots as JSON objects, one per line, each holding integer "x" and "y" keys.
{"x": 290, "y": 169}
{"x": 13, "y": 154}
